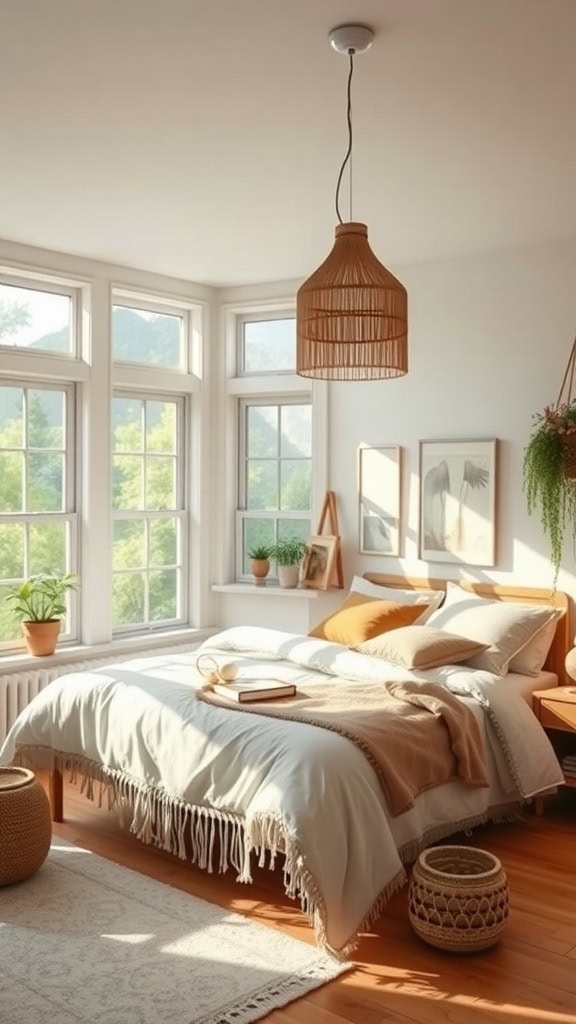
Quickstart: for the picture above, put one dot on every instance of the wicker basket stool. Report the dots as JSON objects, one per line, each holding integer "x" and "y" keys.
{"x": 458, "y": 899}
{"x": 25, "y": 825}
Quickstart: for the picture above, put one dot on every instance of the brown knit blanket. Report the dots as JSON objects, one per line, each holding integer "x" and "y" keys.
{"x": 416, "y": 735}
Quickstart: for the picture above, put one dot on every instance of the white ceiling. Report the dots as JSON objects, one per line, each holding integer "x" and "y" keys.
{"x": 202, "y": 138}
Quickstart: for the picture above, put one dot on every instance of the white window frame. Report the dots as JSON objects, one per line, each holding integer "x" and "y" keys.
{"x": 243, "y": 513}
{"x": 247, "y": 318}
{"x": 93, "y": 288}
{"x": 136, "y": 300}
{"x": 180, "y": 513}
{"x": 233, "y": 386}
{"x": 69, "y": 514}
{"x": 52, "y": 287}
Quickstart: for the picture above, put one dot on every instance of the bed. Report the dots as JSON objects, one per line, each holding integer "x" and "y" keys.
{"x": 226, "y": 789}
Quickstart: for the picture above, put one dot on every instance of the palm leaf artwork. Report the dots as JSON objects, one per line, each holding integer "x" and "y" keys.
{"x": 436, "y": 487}
{"x": 474, "y": 478}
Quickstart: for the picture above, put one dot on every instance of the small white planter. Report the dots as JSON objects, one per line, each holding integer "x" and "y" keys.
{"x": 288, "y": 575}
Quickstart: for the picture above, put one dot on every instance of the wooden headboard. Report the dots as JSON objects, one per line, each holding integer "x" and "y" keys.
{"x": 562, "y": 641}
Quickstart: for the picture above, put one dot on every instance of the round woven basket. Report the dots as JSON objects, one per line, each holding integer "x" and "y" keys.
{"x": 458, "y": 899}
{"x": 25, "y": 825}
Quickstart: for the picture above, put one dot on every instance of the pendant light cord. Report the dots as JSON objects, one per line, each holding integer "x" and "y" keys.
{"x": 349, "y": 150}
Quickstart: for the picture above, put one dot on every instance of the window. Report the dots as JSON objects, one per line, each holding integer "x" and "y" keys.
{"x": 267, "y": 345}
{"x": 37, "y": 319}
{"x": 149, "y": 511}
{"x": 148, "y": 336}
{"x": 275, "y": 472}
{"x": 37, "y": 504}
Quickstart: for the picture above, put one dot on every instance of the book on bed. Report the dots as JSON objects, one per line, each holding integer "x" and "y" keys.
{"x": 254, "y": 689}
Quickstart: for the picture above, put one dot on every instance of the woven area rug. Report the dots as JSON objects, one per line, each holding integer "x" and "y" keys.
{"x": 85, "y": 940}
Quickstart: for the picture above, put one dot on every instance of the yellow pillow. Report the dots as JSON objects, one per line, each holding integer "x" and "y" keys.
{"x": 360, "y": 618}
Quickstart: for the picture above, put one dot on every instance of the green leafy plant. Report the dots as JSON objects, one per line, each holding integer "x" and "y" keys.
{"x": 259, "y": 553}
{"x": 288, "y": 552}
{"x": 547, "y": 486}
{"x": 42, "y": 598}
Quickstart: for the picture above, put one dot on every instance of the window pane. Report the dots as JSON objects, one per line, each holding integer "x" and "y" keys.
{"x": 129, "y": 544}
{"x": 142, "y": 336}
{"x": 9, "y": 624}
{"x": 299, "y": 528}
{"x": 128, "y": 599}
{"x": 48, "y": 548}
{"x": 45, "y": 413}
{"x": 35, "y": 319}
{"x": 45, "y": 482}
{"x": 11, "y": 552}
{"x": 295, "y": 484}
{"x": 296, "y": 428}
{"x": 127, "y": 425}
{"x": 11, "y": 417}
{"x": 127, "y": 481}
{"x": 262, "y": 485}
{"x": 161, "y": 427}
{"x": 160, "y": 482}
{"x": 163, "y": 595}
{"x": 11, "y": 476}
{"x": 163, "y": 541}
{"x": 256, "y": 533}
{"x": 262, "y": 431}
{"x": 269, "y": 345}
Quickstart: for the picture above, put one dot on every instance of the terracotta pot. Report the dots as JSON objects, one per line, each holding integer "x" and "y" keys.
{"x": 260, "y": 567}
{"x": 41, "y": 637}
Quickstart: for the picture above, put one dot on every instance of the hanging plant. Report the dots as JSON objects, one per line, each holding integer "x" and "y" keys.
{"x": 549, "y": 469}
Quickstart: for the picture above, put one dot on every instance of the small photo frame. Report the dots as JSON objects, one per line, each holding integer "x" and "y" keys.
{"x": 379, "y": 474}
{"x": 458, "y": 501}
{"x": 318, "y": 562}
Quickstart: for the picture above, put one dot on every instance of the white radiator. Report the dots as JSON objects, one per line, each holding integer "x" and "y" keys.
{"x": 18, "y": 689}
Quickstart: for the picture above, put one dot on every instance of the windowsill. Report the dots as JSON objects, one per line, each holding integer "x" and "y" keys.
{"x": 66, "y": 653}
{"x": 265, "y": 590}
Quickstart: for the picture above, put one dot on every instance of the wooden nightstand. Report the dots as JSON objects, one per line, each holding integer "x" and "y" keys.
{"x": 556, "y": 710}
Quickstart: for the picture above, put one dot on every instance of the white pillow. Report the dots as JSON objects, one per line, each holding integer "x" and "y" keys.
{"x": 430, "y": 599}
{"x": 507, "y": 627}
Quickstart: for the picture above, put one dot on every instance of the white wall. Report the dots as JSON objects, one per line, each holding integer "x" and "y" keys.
{"x": 490, "y": 335}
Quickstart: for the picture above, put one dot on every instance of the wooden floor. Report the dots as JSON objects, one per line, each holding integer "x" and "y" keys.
{"x": 529, "y": 976}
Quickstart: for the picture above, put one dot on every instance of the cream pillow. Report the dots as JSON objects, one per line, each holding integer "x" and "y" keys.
{"x": 421, "y": 647}
{"x": 359, "y": 618}
{"x": 429, "y": 599}
{"x": 531, "y": 659}
{"x": 506, "y": 627}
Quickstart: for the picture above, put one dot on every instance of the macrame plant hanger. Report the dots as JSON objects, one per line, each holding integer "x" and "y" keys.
{"x": 565, "y": 398}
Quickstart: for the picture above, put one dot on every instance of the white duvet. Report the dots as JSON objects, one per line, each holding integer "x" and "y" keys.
{"x": 253, "y": 787}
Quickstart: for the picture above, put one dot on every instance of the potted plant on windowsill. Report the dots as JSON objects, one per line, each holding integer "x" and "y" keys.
{"x": 259, "y": 557}
{"x": 549, "y": 478}
{"x": 288, "y": 554}
{"x": 39, "y": 603}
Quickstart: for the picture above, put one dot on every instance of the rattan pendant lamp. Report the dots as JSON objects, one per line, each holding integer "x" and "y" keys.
{"x": 352, "y": 313}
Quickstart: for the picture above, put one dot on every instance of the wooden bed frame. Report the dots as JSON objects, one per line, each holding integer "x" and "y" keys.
{"x": 562, "y": 641}
{"x": 527, "y": 595}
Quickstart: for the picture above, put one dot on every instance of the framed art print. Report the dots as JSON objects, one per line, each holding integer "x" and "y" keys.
{"x": 318, "y": 561}
{"x": 458, "y": 501}
{"x": 379, "y": 472}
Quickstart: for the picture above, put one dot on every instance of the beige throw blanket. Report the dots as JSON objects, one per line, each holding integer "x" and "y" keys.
{"x": 415, "y": 735}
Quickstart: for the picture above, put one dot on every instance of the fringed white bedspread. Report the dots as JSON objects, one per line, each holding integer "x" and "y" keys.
{"x": 193, "y": 778}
